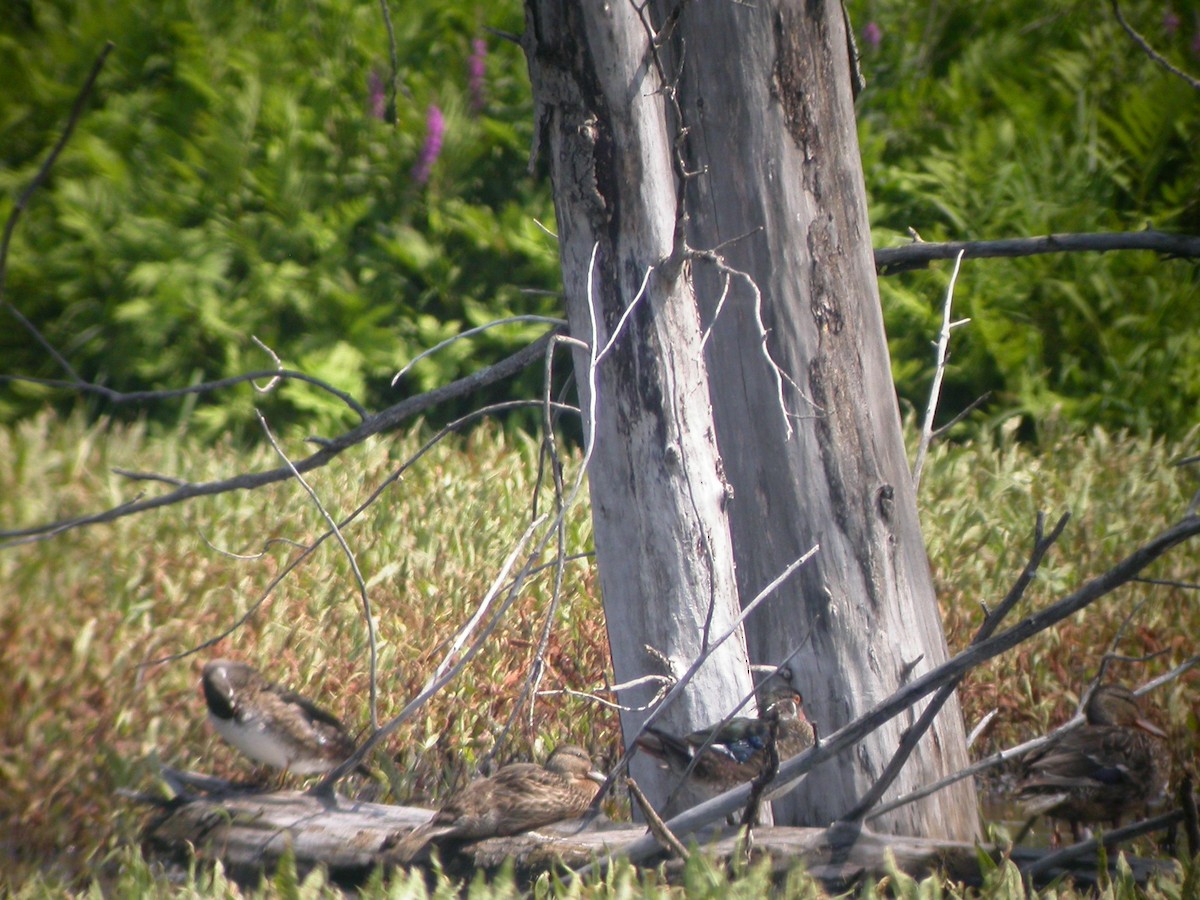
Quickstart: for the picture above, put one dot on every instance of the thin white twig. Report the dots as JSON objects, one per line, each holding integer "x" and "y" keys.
{"x": 251, "y": 557}
{"x": 497, "y": 583}
{"x": 358, "y": 577}
{"x": 776, "y": 369}
{"x": 594, "y": 696}
{"x": 270, "y": 385}
{"x": 725, "y": 284}
{"x": 589, "y": 437}
{"x": 980, "y": 727}
{"x": 641, "y": 292}
{"x": 471, "y": 332}
{"x": 935, "y": 390}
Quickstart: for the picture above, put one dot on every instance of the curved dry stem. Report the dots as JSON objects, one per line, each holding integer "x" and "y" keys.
{"x": 386, "y": 420}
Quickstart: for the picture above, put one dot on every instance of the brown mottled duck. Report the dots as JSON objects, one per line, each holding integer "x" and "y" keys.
{"x": 1115, "y": 764}
{"x": 520, "y": 797}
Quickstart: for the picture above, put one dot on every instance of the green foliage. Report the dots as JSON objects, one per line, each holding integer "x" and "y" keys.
{"x": 230, "y": 179}
{"x": 995, "y": 120}
{"x": 80, "y": 718}
{"x": 701, "y": 877}
{"x": 979, "y": 502}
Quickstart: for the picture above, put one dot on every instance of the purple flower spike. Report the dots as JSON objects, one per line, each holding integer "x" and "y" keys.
{"x": 377, "y": 92}
{"x": 872, "y": 35}
{"x": 435, "y": 128}
{"x": 477, "y": 70}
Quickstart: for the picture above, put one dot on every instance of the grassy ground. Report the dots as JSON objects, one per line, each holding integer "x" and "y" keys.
{"x": 81, "y": 614}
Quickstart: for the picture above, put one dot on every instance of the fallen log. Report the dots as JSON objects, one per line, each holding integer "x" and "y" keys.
{"x": 250, "y": 832}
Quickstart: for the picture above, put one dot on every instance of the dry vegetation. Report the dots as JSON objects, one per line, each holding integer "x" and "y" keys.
{"x": 83, "y": 612}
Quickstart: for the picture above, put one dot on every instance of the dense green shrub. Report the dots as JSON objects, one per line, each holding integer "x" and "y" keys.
{"x": 236, "y": 175}
{"x": 995, "y": 120}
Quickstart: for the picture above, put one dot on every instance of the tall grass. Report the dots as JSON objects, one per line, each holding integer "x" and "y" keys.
{"x": 83, "y": 615}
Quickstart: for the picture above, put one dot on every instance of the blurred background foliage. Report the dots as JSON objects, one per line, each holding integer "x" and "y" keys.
{"x": 990, "y": 120}
{"x": 241, "y": 171}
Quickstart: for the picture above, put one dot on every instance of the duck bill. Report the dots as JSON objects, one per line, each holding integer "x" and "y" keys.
{"x": 1149, "y": 727}
{"x": 597, "y": 776}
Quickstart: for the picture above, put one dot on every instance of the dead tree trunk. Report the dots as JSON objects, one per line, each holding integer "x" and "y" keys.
{"x": 734, "y": 123}
{"x": 658, "y": 497}
{"x": 764, "y": 91}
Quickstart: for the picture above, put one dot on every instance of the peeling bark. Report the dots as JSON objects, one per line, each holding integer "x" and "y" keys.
{"x": 663, "y": 548}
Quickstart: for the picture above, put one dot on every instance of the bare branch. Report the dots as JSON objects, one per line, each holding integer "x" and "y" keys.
{"x": 1166, "y": 582}
{"x": 386, "y": 420}
{"x": 918, "y": 255}
{"x": 122, "y": 397}
{"x": 358, "y": 577}
{"x": 23, "y": 200}
{"x": 980, "y": 727}
{"x": 394, "y": 73}
{"x": 792, "y": 770}
{"x": 149, "y": 476}
{"x": 1108, "y": 839}
{"x": 760, "y": 781}
{"x": 1191, "y": 821}
{"x": 655, "y": 823}
{"x": 471, "y": 332}
{"x": 962, "y": 414}
{"x": 935, "y": 389}
{"x": 250, "y": 557}
{"x": 307, "y": 551}
{"x": 908, "y": 742}
{"x": 1193, "y": 83}
{"x": 270, "y": 385}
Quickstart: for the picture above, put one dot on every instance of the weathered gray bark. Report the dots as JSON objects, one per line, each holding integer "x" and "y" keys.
{"x": 662, "y": 540}
{"x": 249, "y": 833}
{"x": 765, "y": 92}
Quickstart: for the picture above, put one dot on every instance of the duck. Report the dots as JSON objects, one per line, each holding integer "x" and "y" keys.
{"x": 721, "y": 757}
{"x": 1115, "y": 764}
{"x": 270, "y": 724}
{"x": 519, "y": 797}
